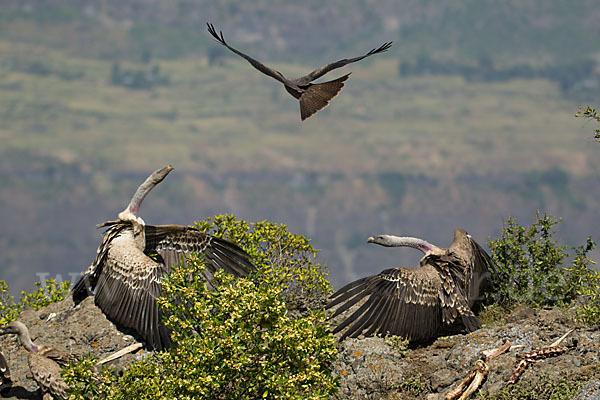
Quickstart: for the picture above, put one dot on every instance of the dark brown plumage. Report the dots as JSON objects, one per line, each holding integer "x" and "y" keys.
{"x": 417, "y": 303}
{"x": 312, "y": 96}
{"x": 133, "y": 259}
{"x": 5, "y": 379}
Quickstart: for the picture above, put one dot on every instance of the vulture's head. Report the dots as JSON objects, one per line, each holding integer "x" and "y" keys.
{"x": 18, "y": 328}
{"x": 383, "y": 240}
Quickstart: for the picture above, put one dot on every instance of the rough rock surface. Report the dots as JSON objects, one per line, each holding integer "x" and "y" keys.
{"x": 368, "y": 368}
{"x": 81, "y": 330}
{"x": 371, "y": 369}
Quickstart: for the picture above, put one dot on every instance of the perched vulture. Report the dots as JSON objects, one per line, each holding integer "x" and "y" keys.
{"x": 44, "y": 362}
{"x": 134, "y": 257}
{"x": 417, "y": 303}
{"x": 312, "y": 96}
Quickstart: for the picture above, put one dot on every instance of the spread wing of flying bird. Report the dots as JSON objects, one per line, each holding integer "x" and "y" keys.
{"x": 416, "y": 303}
{"x": 312, "y": 96}
{"x": 133, "y": 259}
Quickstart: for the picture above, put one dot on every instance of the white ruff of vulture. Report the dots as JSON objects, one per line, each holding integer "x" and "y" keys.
{"x": 44, "y": 362}
{"x": 6, "y": 381}
{"x": 416, "y": 303}
{"x": 128, "y": 281}
{"x": 312, "y": 96}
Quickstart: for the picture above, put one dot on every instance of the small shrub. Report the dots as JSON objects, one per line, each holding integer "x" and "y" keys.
{"x": 415, "y": 386}
{"x": 533, "y": 272}
{"x": 529, "y": 262}
{"x": 398, "y": 343}
{"x": 50, "y": 292}
{"x": 236, "y": 342}
{"x": 283, "y": 259}
{"x": 585, "y": 282}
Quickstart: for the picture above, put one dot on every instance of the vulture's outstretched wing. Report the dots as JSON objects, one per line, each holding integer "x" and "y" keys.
{"x": 256, "y": 64}
{"x": 452, "y": 293}
{"x": 174, "y": 242}
{"x": 127, "y": 289}
{"x": 399, "y": 301}
{"x": 128, "y": 280}
{"x": 319, "y": 72}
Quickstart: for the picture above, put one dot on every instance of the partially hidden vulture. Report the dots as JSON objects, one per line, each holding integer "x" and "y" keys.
{"x": 45, "y": 362}
{"x": 133, "y": 259}
{"x": 416, "y": 303}
{"x": 312, "y": 96}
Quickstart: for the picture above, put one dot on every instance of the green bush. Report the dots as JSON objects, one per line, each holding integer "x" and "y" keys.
{"x": 590, "y": 113}
{"x": 237, "y": 341}
{"x": 529, "y": 262}
{"x": 586, "y": 283}
{"x": 533, "y": 272}
{"x": 46, "y": 294}
{"x": 283, "y": 259}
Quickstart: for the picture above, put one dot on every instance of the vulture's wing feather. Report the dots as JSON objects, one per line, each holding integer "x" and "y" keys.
{"x": 453, "y": 290}
{"x": 127, "y": 291}
{"x": 89, "y": 278}
{"x": 319, "y": 72}
{"x": 483, "y": 268}
{"x": 174, "y": 242}
{"x": 398, "y": 301}
{"x": 256, "y": 64}
{"x": 62, "y": 358}
{"x": 47, "y": 374}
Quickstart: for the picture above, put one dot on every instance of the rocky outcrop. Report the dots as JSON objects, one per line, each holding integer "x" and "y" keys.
{"x": 371, "y": 369}
{"x": 81, "y": 330}
{"x": 368, "y": 368}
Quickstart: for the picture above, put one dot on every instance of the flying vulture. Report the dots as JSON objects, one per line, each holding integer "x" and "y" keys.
{"x": 417, "y": 303}
{"x": 312, "y": 96}
{"x": 134, "y": 257}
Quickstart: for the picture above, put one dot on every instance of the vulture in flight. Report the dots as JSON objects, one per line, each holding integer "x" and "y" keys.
{"x": 45, "y": 362}
{"x": 134, "y": 257}
{"x": 416, "y": 303}
{"x": 312, "y": 96}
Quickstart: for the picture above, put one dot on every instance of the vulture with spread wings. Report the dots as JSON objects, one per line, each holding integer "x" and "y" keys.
{"x": 417, "y": 303}
{"x": 134, "y": 257}
{"x": 312, "y": 96}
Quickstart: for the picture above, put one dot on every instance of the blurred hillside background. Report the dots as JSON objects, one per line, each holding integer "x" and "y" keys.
{"x": 468, "y": 119}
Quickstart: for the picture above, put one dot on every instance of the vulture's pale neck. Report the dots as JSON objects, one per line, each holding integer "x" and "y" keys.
{"x": 403, "y": 241}
{"x": 131, "y": 211}
{"x": 23, "y": 333}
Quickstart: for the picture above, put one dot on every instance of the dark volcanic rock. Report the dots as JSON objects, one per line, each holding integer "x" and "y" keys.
{"x": 371, "y": 369}
{"x": 80, "y": 330}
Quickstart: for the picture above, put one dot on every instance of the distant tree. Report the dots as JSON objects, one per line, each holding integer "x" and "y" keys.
{"x": 590, "y": 113}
